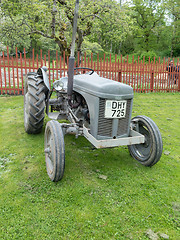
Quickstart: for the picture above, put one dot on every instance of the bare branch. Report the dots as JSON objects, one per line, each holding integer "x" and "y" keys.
{"x": 41, "y": 33}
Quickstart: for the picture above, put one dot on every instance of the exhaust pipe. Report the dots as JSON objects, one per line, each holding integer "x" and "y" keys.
{"x": 70, "y": 77}
{"x": 72, "y": 58}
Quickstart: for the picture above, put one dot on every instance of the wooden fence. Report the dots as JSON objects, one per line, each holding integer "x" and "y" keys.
{"x": 143, "y": 77}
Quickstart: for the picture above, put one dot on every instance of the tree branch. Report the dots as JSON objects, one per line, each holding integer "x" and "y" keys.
{"x": 92, "y": 15}
{"x": 41, "y": 33}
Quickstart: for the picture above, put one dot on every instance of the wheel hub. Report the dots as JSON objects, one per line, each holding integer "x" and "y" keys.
{"x": 146, "y": 141}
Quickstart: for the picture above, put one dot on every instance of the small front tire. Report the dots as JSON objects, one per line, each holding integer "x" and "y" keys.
{"x": 149, "y": 152}
{"x": 54, "y": 151}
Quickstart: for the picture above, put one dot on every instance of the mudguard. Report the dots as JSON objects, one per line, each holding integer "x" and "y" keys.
{"x": 42, "y": 71}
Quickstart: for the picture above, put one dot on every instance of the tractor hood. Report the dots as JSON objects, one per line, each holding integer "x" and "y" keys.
{"x": 102, "y": 87}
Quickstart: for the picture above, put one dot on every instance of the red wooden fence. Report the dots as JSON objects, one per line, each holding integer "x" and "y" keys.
{"x": 143, "y": 77}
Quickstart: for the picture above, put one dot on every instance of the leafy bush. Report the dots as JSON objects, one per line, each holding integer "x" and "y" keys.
{"x": 2, "y": 49}
{"x": 164, "y": 53}
{"x": 89, "y": 47}
{"x": 148, "y": 54}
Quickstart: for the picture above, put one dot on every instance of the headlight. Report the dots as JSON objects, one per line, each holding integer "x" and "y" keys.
{"x": 58, "y": 85}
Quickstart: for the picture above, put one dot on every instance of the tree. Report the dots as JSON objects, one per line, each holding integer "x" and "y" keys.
{"x": 117, "y": 24}
{"x": 23, "y": 21}
{"x": 173, "y": 7}
{"x": 148, "y": 15}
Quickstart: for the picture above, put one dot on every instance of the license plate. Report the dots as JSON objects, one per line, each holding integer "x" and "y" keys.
{"x": 115, "y": 109}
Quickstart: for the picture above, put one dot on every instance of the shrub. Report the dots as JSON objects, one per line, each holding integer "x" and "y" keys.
{"x": 148, "y": 54}
{"x": 89, "y": 47}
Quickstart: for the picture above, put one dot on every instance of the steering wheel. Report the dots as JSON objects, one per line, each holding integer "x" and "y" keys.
{"x": 90, "y": 72}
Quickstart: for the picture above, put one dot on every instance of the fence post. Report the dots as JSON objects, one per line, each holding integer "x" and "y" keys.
{"x": 119, "y": 76}
{"x": 178, "y": 80}
{"x": 152, "y": 81}
{"x": 4, "y": 66}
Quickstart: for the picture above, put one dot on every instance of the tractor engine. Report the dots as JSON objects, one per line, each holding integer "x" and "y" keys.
{"x": 109, "y": 105}
{"x": 101, "y": 105}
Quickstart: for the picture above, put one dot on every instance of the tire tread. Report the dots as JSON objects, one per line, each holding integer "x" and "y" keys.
{"x": 157, "y": 150}
{"x": 36, "y": 100}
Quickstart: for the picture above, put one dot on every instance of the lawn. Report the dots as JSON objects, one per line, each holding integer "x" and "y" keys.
{"x": 105, "y": 194}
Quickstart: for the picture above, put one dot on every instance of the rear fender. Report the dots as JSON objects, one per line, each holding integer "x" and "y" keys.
{"x": 43, "y": 71}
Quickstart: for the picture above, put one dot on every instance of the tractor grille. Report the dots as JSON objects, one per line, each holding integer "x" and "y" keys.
{"x": 123, "y": 123}
{"x": 105, "y": 125}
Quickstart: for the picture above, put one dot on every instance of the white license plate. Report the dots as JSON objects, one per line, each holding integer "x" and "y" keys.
{"x": 115, "y": 109}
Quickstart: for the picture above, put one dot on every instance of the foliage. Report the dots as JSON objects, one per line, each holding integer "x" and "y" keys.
{"x": 53, "y": 20}
{"x": 148, "y": 14}
{"x": 174, "y": 12}
{"x": 150, "y": 55}
{"x": 131, "y": 200}
{"x": 2, "y": 47}
{"x": 90, "y": 47}
{"x": 137, "y": 25}
{"x": 113, "y": 30}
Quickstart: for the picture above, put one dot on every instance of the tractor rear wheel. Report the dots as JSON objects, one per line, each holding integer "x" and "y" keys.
{"x": 34, "y": 103}
{"x": 149, "y": 152}
{"x": 54, "y": 150}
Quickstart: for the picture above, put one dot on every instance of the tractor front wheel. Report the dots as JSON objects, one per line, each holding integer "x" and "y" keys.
{"x": 54, "y": 150}
{"x": 149, "y": 152}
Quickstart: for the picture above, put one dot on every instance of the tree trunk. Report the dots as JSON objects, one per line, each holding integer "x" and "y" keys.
{"x": 173, "y": 42}
{"x": 147, "y": 42}
{"x": 79, "y": 42}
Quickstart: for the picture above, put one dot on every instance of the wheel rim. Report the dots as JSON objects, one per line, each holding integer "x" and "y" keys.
{"x": 144, "y": 150}
{"x": 54, "y": 150}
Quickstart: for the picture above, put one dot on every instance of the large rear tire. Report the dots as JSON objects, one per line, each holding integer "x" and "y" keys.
{"x": 149, "y": 152}
{"x": 34, "y": 103}
{"x": 54, "y": 150}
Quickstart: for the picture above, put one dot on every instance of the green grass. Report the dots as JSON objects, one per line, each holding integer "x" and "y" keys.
{"x": 130, "y": 201}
